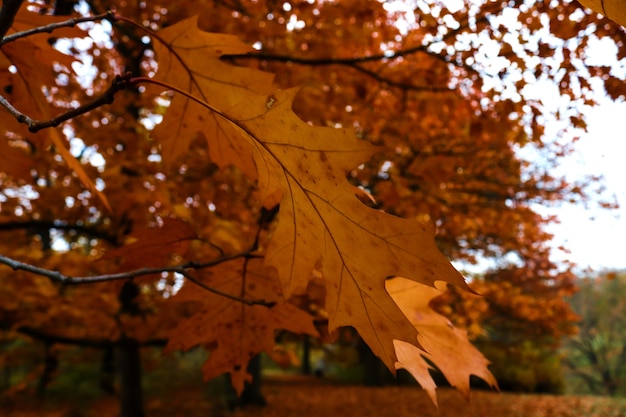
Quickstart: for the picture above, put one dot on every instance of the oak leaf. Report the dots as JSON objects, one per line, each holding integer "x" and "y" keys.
{"x": 321, "y": 222}
{"x": 442, "y": 343}
{"x": 152, "y": 247}
{"x": 613, "y": 9}
{"x": 14, "y": 161}
{"x": 236, "y": 331}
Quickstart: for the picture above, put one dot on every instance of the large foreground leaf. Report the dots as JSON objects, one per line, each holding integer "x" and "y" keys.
{"x": 248, "y": 122}
{"x": 613, "y": 9}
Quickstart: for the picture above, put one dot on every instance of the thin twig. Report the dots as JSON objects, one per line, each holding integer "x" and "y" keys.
{"x": 83, "y": 229}
{"x": 226, "y": 295}
{"x": 82, "y": 341}
{"x": 121, "y": 82}
{"x": 7, "y": 15}
{"x": 403, "y": 86}
{"x": 110, "y": 16}
{"x": 354, "y": 62}
{"x": 182, "y": 269}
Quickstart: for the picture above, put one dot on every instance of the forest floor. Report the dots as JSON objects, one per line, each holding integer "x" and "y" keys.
{"x": 313, "y": 398}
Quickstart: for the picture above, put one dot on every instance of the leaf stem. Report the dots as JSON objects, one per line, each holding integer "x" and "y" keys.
{"x": 137, "y": 80}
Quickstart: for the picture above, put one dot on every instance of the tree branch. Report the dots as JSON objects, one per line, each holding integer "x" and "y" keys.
{"x": 60, "y": 225}
{"x": 80, "y": 341}
{"x": 7, "y": 15}
{"x": 403, "y": 86}
{"x": 348, "y": 62}
{"x": 354, "y": 62}
{"x": 110, "y": 16}
{"x": 121, "y": 82}
{"x": 226, "y": 295}
{"x": 182, "y": 269}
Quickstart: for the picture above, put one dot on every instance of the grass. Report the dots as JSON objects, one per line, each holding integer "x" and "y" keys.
{"x": 313, "y": 398}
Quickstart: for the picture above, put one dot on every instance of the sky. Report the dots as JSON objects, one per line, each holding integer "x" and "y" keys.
{"x": 597, "y": 237}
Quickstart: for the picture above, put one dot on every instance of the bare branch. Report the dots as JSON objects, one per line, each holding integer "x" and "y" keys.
{"x": 83, "y": 229}
{"x": 182, "y": 269}
{"x": 226, "y": 295}
{"x": 81, "y": 341}
{"x": 121, "y": 82}
{"x": 7, "y": 15}
{"x": 354, "y": 62}
{"x": 402, "y": 86}
{"x": 110, "y": 16}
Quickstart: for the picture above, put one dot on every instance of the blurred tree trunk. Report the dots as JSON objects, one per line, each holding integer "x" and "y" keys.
{"x": 252, "y": 394}
{"x": 107, "y": 371}
{"x": 306, "y": 355}
{"x": 5, "y": 383}
{"x": 375, "y": 373}
{"x": 50, "y": 365}
{"x": 128, "y": 360}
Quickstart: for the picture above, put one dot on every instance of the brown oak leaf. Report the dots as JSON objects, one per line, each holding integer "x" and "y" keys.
{"x": 321, "y": 222}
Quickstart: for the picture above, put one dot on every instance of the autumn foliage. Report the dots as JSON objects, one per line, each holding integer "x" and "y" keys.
{"x": 187, "y": 195}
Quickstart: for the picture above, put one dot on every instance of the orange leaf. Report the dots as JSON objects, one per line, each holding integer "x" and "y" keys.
{"x": 443, "y": 344}
{"x": 321, "y": 222}
{"x": 152, "y": 247}
{"x": 238, "y": 331}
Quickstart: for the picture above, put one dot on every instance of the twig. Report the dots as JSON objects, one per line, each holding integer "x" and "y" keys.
{"x": 82, "y": 341}
{"x": 121, "y": 82}
{"x": 181, "y": 269}
{"x": 226, "y": 295}
{"x": 7, "y": 15}
{"x": 110, "y": 16}
{"x": 403, "y": 86}
{"x": 354, "y": 62}
{"x": 84, "y": 229}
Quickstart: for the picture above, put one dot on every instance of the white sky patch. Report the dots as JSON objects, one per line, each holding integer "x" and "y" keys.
{"x": 595, "y": 236}
{"x": 170, "y": 288}
{"x": 294, "y": 23}
{"x": 403, "y": 12}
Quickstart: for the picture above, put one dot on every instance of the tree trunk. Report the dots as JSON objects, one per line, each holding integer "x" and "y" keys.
{"x": 107, "y": 371}
{"x": 6, "y": 377}
{"x": 50, "y": 366}
{"x": 306, "y": 355}
{"x": 375, "y": 373}
{"x": 251, "y": 394}
{"x": 129, "y": 371}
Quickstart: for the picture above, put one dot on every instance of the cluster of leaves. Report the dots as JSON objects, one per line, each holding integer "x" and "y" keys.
{"x": 196, "y": 197}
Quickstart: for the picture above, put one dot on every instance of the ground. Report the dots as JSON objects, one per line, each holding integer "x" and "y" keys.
{"x": 310, "y": 398}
